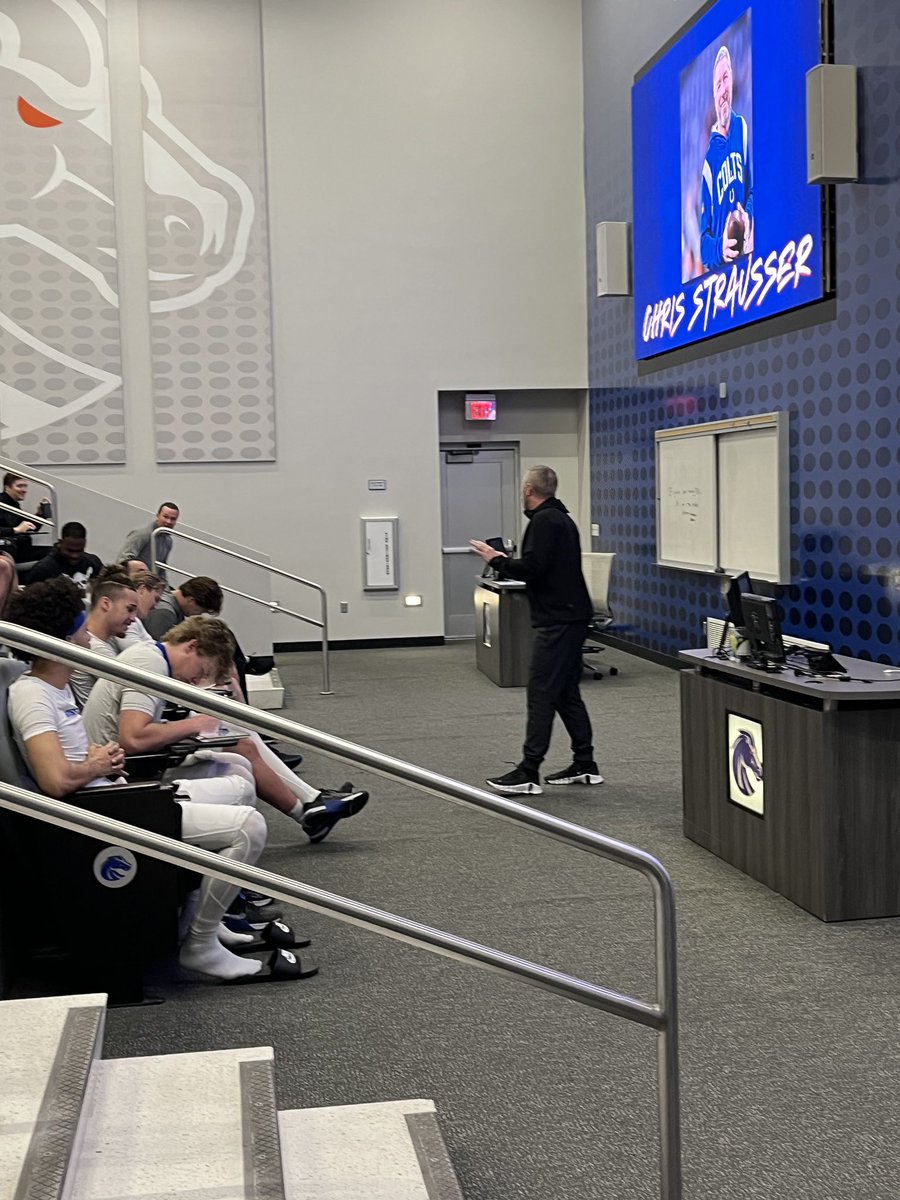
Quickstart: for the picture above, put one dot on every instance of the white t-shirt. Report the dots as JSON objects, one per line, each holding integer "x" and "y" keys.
{"x": 136, "y": 634}
{"x": 82, "y": 680}
{"x": 36, "y": 706}
{"x": 107, "y": 699}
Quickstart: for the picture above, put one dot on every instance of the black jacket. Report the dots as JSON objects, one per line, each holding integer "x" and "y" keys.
{"x": 19, "y": 543}
{"x": 52, "y": 565}
{"x": 550, "y": 566}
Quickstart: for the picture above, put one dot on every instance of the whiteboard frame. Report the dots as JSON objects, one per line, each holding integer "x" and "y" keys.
{"x": 780, "y": 422}
{"x": 710, "y": 564}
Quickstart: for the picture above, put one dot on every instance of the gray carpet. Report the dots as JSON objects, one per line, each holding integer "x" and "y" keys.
{"x": 789, "y": 1060}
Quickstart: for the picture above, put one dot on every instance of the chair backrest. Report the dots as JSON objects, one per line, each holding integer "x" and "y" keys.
{"x": 597, "y": 569}
{"x": 12, "y": 768}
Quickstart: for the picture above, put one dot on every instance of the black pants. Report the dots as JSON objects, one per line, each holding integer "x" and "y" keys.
{"x": 553, "y": 680}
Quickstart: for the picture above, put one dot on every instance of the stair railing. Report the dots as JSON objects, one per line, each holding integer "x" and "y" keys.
{"x": 14, "y": 468}
{"x": 272, "y": 605}
{"x": 661, "y": 1016}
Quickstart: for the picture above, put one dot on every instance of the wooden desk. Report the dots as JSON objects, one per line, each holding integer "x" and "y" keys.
{"x": 503, "y": 633}
{"x": 828, "y": 836}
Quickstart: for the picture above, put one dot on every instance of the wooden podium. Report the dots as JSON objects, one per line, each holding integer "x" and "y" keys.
{"x": 503, "y": 633}
{"x": 817, "y": 816}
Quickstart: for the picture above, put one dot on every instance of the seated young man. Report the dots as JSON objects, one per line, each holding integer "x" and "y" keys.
{"x": 149, "y": 588}
{"x": 114, "y": 607}
{"x": 198, "y": 651}
{"x": 52, "y": 737}
{"x": 200, "y": 596}
{"x": 68, "y": 557}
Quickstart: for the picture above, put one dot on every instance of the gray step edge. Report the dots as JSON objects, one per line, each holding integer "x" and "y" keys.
{"x": 263, "y": 1173}
{"x": 440, "y": 1178}
{"x": 57, "y": 1131}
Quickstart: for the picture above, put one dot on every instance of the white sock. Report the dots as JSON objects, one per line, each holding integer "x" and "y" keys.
{"x": 228, "y": 937}
{"x": 206, "y": 954}
{"x": 296, "y": 813}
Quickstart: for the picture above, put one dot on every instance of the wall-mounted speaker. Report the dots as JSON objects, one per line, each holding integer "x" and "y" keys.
{"x": 832, "y": 134}
{"x": 614, "y": 258}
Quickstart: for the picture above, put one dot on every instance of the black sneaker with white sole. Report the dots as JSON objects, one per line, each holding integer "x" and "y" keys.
{"x": 322, "y": 814}
{"x": 519, "y": 781}
{"x": 576, "y": 773}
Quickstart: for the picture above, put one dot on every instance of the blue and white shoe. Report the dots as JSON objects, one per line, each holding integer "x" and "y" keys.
{"x": 322, "y": 814}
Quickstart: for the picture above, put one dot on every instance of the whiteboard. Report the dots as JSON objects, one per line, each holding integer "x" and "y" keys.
{"x": 750, "y": 503}
{"x": 722, "y": 501}
{"x": 687, "y": 502}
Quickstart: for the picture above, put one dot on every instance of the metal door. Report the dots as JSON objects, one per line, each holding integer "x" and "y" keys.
{"x": 479, "y": 499}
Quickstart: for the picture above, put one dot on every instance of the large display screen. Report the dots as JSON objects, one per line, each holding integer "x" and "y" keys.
{"x": 726, "y": 229}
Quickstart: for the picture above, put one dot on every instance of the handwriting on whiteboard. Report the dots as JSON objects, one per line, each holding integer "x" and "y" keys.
{"x": 685, "y": 501}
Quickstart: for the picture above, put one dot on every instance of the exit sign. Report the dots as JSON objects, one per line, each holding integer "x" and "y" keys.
{"x": 481, "y": 407}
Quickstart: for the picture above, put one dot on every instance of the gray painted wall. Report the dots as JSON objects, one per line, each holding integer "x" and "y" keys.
{"x": 426, "y": 215}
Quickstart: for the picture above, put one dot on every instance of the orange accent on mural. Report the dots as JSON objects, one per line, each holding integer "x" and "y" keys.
{"x": 33, "y": 116}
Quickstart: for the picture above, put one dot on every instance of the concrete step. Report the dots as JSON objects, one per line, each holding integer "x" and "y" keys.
{"x": 181, "y": 1125}
{"x": 47, "y": 1047}
{"x": 265, "y": 691}
{"x": 388, "y": 1151}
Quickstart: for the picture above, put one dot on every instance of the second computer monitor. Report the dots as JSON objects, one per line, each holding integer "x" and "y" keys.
{"x": 739, "y": 586}
{"x": 762, "y": 627}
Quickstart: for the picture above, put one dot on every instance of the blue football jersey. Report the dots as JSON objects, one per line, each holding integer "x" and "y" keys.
{"x": 725, "y": 183}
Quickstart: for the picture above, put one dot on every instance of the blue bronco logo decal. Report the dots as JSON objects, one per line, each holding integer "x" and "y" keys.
{"x": 746, "y": 769}
{"x": 115, "y": 867}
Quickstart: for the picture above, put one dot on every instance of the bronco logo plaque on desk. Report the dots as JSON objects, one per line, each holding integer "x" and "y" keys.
{"x": 746, "y": 786}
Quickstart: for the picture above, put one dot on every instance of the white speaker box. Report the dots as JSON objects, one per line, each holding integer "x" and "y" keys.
{"x": 614, "y": 258}
{"x": 832, "y": 151}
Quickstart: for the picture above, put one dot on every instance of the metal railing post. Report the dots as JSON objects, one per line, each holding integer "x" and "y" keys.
{"x": 326, "y": 672}
{"x": 662, "y": 1016}
{"x": 272, "y": 605}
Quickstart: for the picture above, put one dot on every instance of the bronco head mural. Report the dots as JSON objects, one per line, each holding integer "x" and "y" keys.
{"x": 59, "y": 252}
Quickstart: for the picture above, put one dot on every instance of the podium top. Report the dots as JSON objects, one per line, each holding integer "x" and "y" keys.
{"x": 868, "y": 680}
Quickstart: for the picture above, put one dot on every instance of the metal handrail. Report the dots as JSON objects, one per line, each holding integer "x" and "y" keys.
{"x": 662, "y": 1016}
{"x": 9, "y": 466}
{"x": 26, "y": 516}
{"x": 272, "y": 605}
{"x": 322, "y": 623}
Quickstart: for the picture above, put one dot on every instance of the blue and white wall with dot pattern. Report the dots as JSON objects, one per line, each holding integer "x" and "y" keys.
{"x": 838, "y": 380}
{"x": 201, "y": 149}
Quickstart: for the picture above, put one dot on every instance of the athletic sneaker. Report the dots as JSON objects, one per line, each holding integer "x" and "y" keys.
{"x": 518, "y": 781}
{"x": 576, "y": 773}
{"x": 322, "y": 814}
{"x": 256, "y": 899}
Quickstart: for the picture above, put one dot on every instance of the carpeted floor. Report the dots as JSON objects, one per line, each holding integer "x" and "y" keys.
{"x": 788, "y": 1026}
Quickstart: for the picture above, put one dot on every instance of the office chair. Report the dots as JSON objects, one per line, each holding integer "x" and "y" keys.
{"x": 597, "y": 569}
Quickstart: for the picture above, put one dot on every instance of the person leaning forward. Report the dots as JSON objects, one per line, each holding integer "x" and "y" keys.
{"x": 561, "y": 610}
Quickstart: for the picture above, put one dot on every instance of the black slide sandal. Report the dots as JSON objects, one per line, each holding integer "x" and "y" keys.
{"x": 274, "y": 936}
{"x": 280, "y": 967}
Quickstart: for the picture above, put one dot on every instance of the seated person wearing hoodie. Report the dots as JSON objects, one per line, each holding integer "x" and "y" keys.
{"x": 200, "y": 596}
{"x": 54, "y": 742}
{"x": 68, "y": 557}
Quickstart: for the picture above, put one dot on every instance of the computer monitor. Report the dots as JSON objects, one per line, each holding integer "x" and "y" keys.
{"x": 763, "y": 628}
{"x": 732, "y": 590}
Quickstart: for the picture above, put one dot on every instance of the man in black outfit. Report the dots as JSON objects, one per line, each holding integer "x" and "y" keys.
{"x": 561, "y": 610}
{"x": 68, "y": 557}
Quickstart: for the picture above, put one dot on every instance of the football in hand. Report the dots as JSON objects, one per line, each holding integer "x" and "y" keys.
{"x": 734, "y": 229}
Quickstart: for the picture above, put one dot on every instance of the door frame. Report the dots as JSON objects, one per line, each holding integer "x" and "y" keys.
{"x": 448, "y": 444}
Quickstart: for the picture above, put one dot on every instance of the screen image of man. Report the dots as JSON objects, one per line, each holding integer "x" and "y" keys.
{"x": 561, "y": 609}
{"x": 726, "y": 189}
